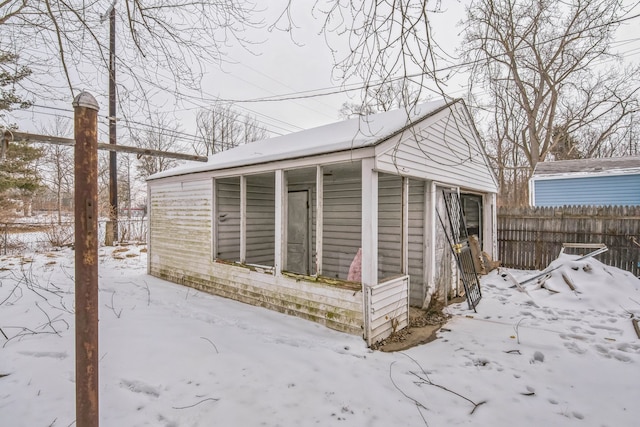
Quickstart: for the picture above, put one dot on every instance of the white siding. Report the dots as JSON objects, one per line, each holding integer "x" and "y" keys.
{"x": 180, "y": 223}
{"x": 342, "y": 225}
{"x": 261, "y": 219}
{"x": 389, "y": 226}
{"x": 228, "y": 219}
{"x": 180, "y": 251}
{"x": 417, "y": 241}
{"x": 442, "y": 148}
{"x": 387, "y": 305}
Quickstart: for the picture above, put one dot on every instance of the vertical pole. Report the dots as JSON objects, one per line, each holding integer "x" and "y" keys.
{"x": 369, "y": 223}
{"x": 319, "y": 218}
{"x": 113, "y": 161}
{"x": 404, "y": 268}
{"x": 243, "y": 219}
{"x": 86, "y": 259}
{"x": 214, "y": 219}
{"x": 279, "y": 260}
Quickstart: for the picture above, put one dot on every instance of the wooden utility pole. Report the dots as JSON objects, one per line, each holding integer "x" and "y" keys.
{"x": 86, "y": 257}
{"x": 113, "y": 161}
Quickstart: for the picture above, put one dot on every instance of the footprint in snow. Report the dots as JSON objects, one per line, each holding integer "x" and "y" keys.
{"x": 628, "y": 348}
{"x": 574, "y": 348}
{"x": 140, "y": 387}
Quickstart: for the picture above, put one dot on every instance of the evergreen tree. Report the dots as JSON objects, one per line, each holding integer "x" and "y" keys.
{"x": 18, "y": 172}
{"x": 19, "y": 178}
{"x": 11, "y": 73}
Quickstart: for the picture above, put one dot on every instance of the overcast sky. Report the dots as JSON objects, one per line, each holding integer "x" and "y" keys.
{"x": 297, "y": 65}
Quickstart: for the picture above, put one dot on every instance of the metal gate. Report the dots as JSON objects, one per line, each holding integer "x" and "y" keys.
{"x": 459, "y": 241}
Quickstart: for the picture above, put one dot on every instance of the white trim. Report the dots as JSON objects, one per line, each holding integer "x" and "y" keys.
{"x": 430, "y": 201}
{"x": 570, "y": 175}
{"x": 243, "y": 219}
{"x": 319, "y": 217}
{"x": 214, "y": 219}
{"x": 280, "y": 217}
{"x": 369, "y": 223}
{"x": 532, "y": 193}
{"x": 148, "y": 229}
{"x": 489, "y": 225}
{"x": 405, "y": 226}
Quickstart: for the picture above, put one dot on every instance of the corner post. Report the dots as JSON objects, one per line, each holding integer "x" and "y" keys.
{"x": 319, "y": 218}
{"x": 280, "y": 253}
{"x": 369, "y": 223}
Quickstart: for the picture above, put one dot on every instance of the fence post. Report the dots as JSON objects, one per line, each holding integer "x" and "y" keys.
{"x": 86, "y": 257}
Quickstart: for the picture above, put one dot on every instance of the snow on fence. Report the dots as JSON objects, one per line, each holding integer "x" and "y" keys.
{"x": 387, "y": 308}
{"x": 38, "y": 236}
{"x": 532, "y": 237}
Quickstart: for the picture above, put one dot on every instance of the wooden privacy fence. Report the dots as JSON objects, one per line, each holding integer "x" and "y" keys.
{"x": 532, "y": 237}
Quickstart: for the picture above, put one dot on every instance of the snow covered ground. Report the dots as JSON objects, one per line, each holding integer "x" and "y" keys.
{"x": 173, "y": 356}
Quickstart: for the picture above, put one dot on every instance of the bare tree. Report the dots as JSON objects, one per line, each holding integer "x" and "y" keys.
{"x": 162, "y": 135}
{"x": 162, "y": 44}
{"x": 386, "y": 97}
{"x": 57, "y": 167}
{"x": 540, "y": 63}
{"x": 390, "y": 44}
{"x": 221, "y": 127}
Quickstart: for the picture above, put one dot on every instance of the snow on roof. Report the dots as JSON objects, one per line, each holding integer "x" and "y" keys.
{"x": 588, "y": 166}
{"x": 340, "y": 136}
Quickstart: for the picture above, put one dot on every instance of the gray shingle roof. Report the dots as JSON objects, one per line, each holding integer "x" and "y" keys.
{"x": 587, "y": 165}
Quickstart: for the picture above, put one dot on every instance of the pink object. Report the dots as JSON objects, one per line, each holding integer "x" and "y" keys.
{"x": 355, "y": 270}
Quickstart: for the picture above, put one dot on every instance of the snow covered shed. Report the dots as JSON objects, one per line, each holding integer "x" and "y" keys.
{"x": 611, "y": 181}
{"x": 337, "y": 224}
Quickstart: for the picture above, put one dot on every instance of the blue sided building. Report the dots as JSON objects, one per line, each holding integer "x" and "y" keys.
{"x": 586, "y": 182}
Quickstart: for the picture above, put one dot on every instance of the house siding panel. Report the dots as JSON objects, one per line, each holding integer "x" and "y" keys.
{"x": 341, "y": 232}
{"x": 180, "y": 223}
{"x": 261, "y": 219}
{"x": 180, "y": 232}
{"x": 588, "y": 191}
{"x": 387, "y": 307}
{"x": 441, "y": 148}
{"x": 228, "y": 218}
{"x": 417, "y": 242}
{"x": 389, "y": 225}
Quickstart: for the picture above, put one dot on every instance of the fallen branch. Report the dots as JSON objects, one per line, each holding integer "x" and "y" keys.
{"x": 195, "y": 404}
{"x": 117, "y": 313}
{"x": 427, "y": 380}
{"x": 49, "y": 322}
{"x": 23, "y": 333}
{"x": 416, "y": 402}
{"x": 148, "y": 293}
{"x": 211, "y": 342}
{"x": 12, "y": 292}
